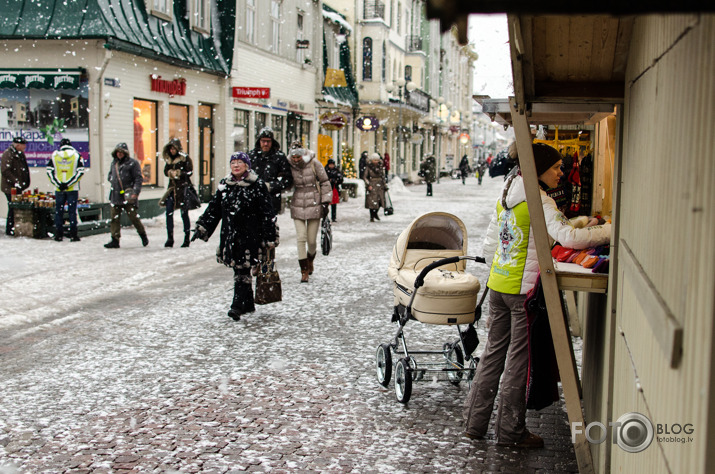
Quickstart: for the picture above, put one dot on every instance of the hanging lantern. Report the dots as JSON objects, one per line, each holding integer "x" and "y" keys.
{"x": 367, "y": 123}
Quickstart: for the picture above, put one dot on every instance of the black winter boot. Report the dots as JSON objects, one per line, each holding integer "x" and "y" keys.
{"x": 113, "y": 244}
{"x": 187, "y": 239}
{"x": 169, "y": 239}
{"x": 242, "y": 297}
{"x": 145, "y": 239}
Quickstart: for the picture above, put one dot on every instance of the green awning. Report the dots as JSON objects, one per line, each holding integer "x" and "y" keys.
{"x": 40, "y": 78}
{"x": 129, "y": 26}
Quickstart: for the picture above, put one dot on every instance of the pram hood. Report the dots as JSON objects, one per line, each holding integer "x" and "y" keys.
{"x": 430, "y": 237}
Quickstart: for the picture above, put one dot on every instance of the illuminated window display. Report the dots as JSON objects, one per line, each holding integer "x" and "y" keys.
{"x": 179, "y": 124}
{"x": 145, "y": 137}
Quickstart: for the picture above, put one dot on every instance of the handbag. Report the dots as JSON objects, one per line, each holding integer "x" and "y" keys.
{"x": 191, "y": 198}
{"x": 326, "y": 236}
{"x": 388, "y": 205}
{"x": 268, "y": 283}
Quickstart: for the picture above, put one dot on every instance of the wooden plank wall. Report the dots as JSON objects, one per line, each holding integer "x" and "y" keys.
{"x": 667, "y": 220}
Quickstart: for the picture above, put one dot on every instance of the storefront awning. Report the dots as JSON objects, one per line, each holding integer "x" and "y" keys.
{"x": 340, "y": 96}
{"x": 40, "y": 78}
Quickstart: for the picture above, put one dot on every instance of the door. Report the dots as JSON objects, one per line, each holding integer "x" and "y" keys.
{"x": 206, "y": 152}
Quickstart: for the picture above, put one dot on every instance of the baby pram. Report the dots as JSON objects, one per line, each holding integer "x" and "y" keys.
{"x": 431, "y": 286}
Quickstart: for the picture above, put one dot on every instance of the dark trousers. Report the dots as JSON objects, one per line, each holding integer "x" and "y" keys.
{"x": 333, "y": 212}
{"x": 242, "y": 291}
{"x": 116, "y": 227}
{"x": 429, "y": 189}
{"x": 62, "y": 198}
{"x": 170, "y": 217}
{"x": 10, "y": 225}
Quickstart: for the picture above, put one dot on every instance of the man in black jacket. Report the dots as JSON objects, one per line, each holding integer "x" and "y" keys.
{"x": 15, "y": 175}
{"x": 271, "y": 165}
{"x": 125, "y": 179}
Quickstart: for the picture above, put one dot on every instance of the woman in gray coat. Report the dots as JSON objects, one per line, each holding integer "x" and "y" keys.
{"x": 375, "y": 186}
{"x": 311, "y": 197}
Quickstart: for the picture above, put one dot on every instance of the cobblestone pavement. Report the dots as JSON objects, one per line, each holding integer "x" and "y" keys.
{"x": 157, "y": 379}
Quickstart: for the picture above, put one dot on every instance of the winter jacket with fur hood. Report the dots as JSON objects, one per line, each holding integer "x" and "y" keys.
{"x": 273, "y": 168}
{"x": 128, "y": 180}
{"x": 247, "y": 220}
{"x": 509, "y": 243}
{"x": 179, "y": 170}
{"x": 15, "y": 172}
{"x": 312, "y": 189}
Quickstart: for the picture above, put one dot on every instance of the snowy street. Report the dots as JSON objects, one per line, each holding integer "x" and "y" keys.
{"x": 125, "y": 360}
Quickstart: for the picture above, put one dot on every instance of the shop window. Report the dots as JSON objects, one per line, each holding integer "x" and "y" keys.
{"x": 408, "y": 73}
{"x": 251, "y": 21}
{"x": 201, "y": 15}
{"x": 162, "y": 8}
{"x": 261, "y": 119}
{"x": 145, "y": 139}
{"x": 277, "y": 126}
{"x": 275, "y": 25}
{"x": 367, "y": 59}
{"x": 179, "y": 124}
{"x": 305, "y": 133}
{"x": 240, "y": 130}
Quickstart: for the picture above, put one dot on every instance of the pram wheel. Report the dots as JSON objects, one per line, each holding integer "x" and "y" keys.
{"x": 455, "y": 360}
{"x": 383, "y": 364}
{"x": 403, "y": 380}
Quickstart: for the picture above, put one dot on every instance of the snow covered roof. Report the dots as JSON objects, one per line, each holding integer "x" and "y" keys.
{"x": 336, "y": 17}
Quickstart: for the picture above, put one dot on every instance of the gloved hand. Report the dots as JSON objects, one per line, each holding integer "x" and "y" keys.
{"x": 325, "y": 209}
{"x": 198, "y": 234}
{"x": 63, "y": 187}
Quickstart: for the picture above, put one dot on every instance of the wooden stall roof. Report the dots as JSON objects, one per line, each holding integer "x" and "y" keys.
{"x": 567, "y": 69}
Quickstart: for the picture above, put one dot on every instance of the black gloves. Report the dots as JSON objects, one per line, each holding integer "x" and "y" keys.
{"x": 199, "y": 233}
{"x": 325, "y": 209}
{"x": 63, "y": 187}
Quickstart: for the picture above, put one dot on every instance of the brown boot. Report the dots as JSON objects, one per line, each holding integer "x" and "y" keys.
{"x": 303, "y": 270}
{"x": 310, "y": 263}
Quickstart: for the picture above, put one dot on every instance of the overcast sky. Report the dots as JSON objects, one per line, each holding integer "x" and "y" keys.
{"x": 489, "y": 37}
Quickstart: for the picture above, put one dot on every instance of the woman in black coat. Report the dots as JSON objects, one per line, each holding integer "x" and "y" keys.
{"x": 336, "y": 180}
{"x": 248, "y": 227}
{"x": 178, "y": 168}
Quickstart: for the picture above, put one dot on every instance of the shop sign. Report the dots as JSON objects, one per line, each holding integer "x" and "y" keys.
{"x": 367, "y": 123}
{"x": 418, "y": 100}
{"x": 251, "y": 92}
{"x": 175, "y": 87}
{"x": 335, "y": 78}
{"x": 302, "y": 44}
{"x": 111, "y": 82}
{"x": 39, "y": 79}
{"x": 333, "y": 120}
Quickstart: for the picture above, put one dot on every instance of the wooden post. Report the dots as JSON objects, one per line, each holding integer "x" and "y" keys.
{"x": 559, "y": 329}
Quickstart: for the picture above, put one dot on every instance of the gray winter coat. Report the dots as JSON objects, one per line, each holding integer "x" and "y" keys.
{"x": 375, "y": 176}
{"x": 311, "y": 189}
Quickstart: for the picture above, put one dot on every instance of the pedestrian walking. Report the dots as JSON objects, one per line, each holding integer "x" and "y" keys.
{"x": 464, "y": 168}
{"x": 243, "y": 206}
{"x": 179, "y": 168}
{"x": 428, "y": 171}
{"x": 125, "y": 179}
{"x": 336, "y": 180}
{"x": 362, "y": 164}
{"x": 65, "y": 168}
{"x": 15, "y": 176}
{"x": 510, "y": 250}
{"x": 311, "y": 195}
{"x": 481, "y": 169}
{"x": 271, "y": 165}
{"x": 375, "y": 186}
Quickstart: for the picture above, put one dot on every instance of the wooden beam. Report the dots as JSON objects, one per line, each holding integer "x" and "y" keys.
{"x": 448, "y": 10}
{"x": 559, "y": 328}
{"x": 610, "y": 91}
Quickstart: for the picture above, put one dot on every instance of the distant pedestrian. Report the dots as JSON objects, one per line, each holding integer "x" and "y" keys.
{"x": 248, "y": 228}
{"x": 362, "y": 164}
{"x": 125, "y": 179}
{"x": 464, "y": 168}
{"x": 481, "y": 169}
{"x": 271, "y": 165}
{"x": 336, "y": 180}
{"x": 428, "y": 171}
{"x": 15, "y": 175}
{"x": 65, "y": 168}
{"x": 309, "y": 203}
{"x": 178, "y": 168}
{"x": 375, "y": 186}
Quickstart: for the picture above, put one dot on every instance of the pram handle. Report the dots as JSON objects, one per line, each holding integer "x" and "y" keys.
{"x": 420, "y": 280}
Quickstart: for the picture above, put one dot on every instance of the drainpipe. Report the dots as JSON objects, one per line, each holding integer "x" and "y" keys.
{"x": 100, "y": 125}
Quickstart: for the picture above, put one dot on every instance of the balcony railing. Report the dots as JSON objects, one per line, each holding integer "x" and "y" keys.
{"x": 414, "y": 43}
{"x": 374, "y": 9}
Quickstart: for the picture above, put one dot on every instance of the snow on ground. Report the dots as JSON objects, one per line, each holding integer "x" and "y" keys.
{"x": 99, "y": 344}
